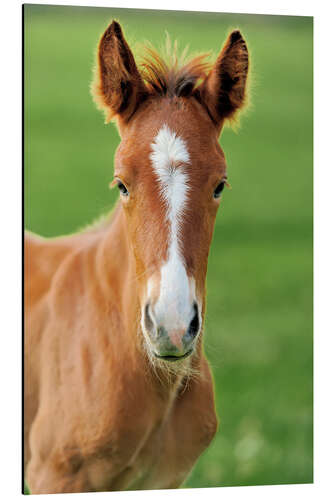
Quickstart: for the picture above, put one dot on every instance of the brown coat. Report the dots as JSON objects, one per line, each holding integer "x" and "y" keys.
{"x": 98, "y": 414}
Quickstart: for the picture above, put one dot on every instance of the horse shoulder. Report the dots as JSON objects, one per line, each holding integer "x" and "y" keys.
{"x": 42, "y": 258}
{"x": 52, "y": 279}
{"x": 79, "y": 353}
{"x": 45, "y": 262}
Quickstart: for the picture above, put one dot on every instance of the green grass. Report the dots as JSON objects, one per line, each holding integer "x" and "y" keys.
{"x": 259, "y": 319}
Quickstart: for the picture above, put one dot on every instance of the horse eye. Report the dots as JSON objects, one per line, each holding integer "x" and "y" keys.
{"x": 122, "y": 188}
{"x": 218, "y": 190}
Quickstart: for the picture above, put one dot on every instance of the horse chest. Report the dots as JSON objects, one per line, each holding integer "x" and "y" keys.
{"x": 130, "y": 464}
{"x": 157, "y": 455}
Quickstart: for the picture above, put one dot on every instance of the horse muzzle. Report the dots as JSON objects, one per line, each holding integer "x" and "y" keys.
{"x": 175, "y": 342}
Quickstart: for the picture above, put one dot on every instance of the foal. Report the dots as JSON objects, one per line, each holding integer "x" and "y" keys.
{"x": 118, "y": 392}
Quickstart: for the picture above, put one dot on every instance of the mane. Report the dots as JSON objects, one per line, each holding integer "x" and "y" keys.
{"x": 170, "y": 74}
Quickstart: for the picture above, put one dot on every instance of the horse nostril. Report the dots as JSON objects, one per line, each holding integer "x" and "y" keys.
{"x": 148, "y": 321}
{"x": 193, "y": 329}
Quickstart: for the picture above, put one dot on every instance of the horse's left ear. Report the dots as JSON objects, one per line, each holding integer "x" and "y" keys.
{"x": 118, "y": 87}
{"x": 224, "y": 90}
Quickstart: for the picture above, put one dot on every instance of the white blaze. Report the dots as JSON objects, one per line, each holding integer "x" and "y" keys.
{"x": 174, "y": 307}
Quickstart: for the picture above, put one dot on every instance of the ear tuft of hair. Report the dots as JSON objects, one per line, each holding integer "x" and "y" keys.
{"x": 119, "y": 87}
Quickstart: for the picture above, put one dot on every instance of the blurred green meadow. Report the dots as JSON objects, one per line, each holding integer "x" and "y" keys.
{"x": 258, "y": 334}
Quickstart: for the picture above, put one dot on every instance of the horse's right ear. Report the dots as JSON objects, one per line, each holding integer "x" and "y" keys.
{"x": 118, "y": 87}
